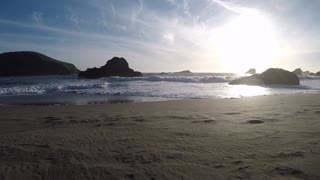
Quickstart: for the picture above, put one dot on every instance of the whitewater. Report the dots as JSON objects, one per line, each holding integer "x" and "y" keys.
{"x": 150, "y": 87}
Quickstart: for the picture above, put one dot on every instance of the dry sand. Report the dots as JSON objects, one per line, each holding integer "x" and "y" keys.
{"x": 269, "y": 137}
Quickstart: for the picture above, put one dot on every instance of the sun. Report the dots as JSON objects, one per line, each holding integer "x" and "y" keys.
{"x": 248, "y": 41}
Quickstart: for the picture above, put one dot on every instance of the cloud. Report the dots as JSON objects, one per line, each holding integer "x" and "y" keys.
{"x": 127, "y": 41}
{"x": 169, "y": 37}
{"x": 232, "y": 7}
{"x": 172, "y": 2}
{"x": 113, "y": 11}
{"x": 183, "y": 31}
{"x": 140, "y": 5}
{"x": 72, "y": 17}
{"x": 37, "y": 17}
{"x": 137, "y": 12}
{"x": 186, "y": 7}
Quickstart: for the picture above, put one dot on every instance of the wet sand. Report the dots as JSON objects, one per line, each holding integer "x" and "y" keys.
{"x": 267, "y": 137}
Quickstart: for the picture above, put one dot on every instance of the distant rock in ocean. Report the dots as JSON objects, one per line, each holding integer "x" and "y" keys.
{"x": 269, "y": 77}
{"x": 298, "y": 71}
{"x": 251, "y": 71}
{"x": 164, "y": 73}
{"x": 114, "y": 67}
{"x": 184, "y": 72}
{"x": 27, "y": 63}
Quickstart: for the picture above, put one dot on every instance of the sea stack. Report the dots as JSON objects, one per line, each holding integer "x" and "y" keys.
{"x": 271, "y": 76}
{"x": 251, "y": 71}
{"x": 298, "y": 71}
{"x": 28, "y": 63}
{"x": 114, "y": 67}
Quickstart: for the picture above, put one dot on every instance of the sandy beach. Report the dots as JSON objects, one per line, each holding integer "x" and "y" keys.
{"x": 266, "y": 137}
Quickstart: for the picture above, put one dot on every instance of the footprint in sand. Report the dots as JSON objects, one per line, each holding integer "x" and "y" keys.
{"x": 237, "y": 162}
{"x": 204, "y": 121}
{"x": 287, "y": 171}
{"x": 107, "y": 124}
{"x": 51, "y": 118}
{"x": 174, "y": 156}
{"x": 255, "y": 121}
{"x": 182, "y": 134}
{"x": 232, "y": 113}
{"x": 218, "y": 166}
{"x": 140, "y": 120}
{"x": 291, "y": 154}
{"x": 44, "y": 146}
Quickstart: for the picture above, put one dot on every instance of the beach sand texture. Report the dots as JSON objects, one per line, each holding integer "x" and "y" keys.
{"x": 267, "y": 137}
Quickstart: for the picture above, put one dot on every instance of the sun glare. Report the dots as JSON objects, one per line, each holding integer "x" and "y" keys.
{"x": 248, "y": 41}
{"x": 244, "y": 90}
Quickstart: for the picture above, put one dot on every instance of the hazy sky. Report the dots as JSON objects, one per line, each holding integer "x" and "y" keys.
{"x": 167, "y": 35}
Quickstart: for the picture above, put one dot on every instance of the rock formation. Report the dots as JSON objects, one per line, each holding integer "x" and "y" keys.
{"x": 114, "y": 67}
{"x": 251, "y": 71}
{"x": 184, "y": 72}
{"x": 27, "y": 63}
{"x": 299, "y": 72}
{"x": 270, "y": 76}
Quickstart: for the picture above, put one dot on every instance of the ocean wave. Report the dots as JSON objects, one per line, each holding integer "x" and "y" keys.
{"x": 309, "y": 77}
{"x": 53, "y": 88}
{"x": 22, "y": 91}
{"x": 83, "y": 86}
{"x": 191, "y": 86}
{"x": 182, "y": 79}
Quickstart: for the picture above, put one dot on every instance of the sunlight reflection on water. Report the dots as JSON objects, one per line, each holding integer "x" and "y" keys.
{"x": 245, "y": 90}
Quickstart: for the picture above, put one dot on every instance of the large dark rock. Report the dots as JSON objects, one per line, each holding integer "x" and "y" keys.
{"x": 27, "y": 63}
{"x": 251, "y": 71}
{"x": 114, "y": 67}
{"x": 270, "y": 76}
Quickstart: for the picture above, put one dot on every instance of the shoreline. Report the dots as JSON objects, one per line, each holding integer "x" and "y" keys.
{"x": 74, "y": 100}
{"x": 154, "y": 87}
{"x": 264, "y": 137}
{"x": 84, "y": 100}
{"x": 153, "y": 100}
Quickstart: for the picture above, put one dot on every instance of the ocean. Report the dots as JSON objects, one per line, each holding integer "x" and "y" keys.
{"x": 58, "y": 90}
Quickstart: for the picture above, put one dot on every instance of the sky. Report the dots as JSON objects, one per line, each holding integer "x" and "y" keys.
{"x": 167, "y": 35}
